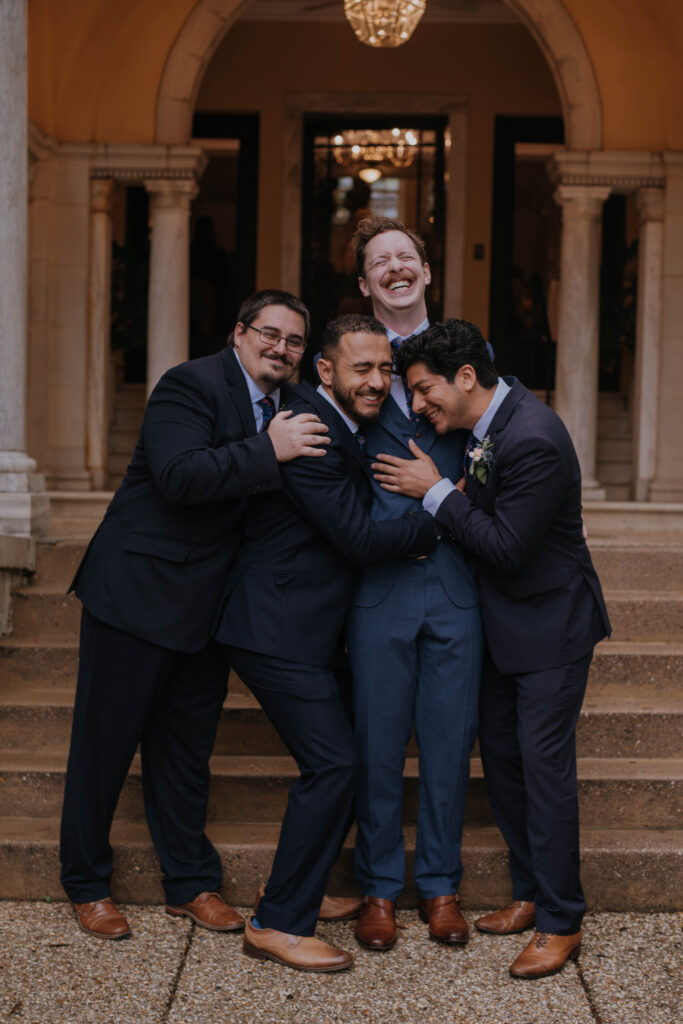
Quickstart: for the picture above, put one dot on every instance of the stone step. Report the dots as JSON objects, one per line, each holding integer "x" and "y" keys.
{"x": 617, "y": 668}
{"x": 614, "y": 449}
{"x": 612, "y": 403}
{"x": 621, "y": 519}
{"x": 130, "y": 396}
{"x": 121, "y": 442}
{"x": 127, "y": 418}
{"x": 631, "y": 870}
{"x": 645, "y": 615}
{"x": 613, "y": 472}
{"x": 640, "y": 725}
{"x": 617, "y": 492}
{"x": 46, "y": 613}
{"x": 626, "y": 792}
{"x": 620, "y": 425}
{"x": 648, "y": 564}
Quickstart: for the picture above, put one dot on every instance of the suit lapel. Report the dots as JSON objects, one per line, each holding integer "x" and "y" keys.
{"x": 498, "y": 423}
{"x": 329, "y": 415}
{"x": 238, "y": 391}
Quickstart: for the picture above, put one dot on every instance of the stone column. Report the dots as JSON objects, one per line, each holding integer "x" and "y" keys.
{"x": 650, "y": 203}
{"x": 23, "y": 508}
{"x": 99, "y": 318}
{"x": 576, "y": 377}
{"x": 168, "y": 317}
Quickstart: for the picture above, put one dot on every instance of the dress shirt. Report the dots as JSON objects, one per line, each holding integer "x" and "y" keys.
{"x": 351, "y": 424}
{"x": 442, "y": 488}
{"x": 398, "y": 392}
{"x": 256, "y": 395}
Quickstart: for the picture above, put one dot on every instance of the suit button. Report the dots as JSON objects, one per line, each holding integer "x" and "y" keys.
{"x": 411, "y": 513}
{"x": 418, "y": 434}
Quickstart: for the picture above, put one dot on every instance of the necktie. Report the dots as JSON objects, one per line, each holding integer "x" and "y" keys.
{"x": 395, "y": 346}
{"x": 362, "y": 441}
{"x": 268, "y": 406}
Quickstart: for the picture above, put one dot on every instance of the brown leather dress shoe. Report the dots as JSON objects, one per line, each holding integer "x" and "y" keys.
{"x": 102, "y": 919}
{"x": 446, "y": 923}
{"x": 302, "y": 952}
{"x": 209, "y": 910}
{"x": 515, "y": 918}
{"x": 332, "y": 908}
{"x": 546, "y": 954}
{"x": 376, "y": 926}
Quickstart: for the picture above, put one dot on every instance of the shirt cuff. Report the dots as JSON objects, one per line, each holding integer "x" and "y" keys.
{"x": 436, "y": 494}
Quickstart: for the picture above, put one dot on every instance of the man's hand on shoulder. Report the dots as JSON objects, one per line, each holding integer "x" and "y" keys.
{"x": 292, "y": 436}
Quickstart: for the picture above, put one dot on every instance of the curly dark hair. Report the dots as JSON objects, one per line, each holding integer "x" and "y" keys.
{"x": 447, "y": 346}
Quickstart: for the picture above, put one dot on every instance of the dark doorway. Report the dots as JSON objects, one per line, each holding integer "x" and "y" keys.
{"x": 524, "y": 249}
{"x": 354, "y": 166}
{"x": 223, "y": 227}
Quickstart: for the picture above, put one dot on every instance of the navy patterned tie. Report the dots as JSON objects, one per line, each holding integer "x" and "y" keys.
{"x": 395, "y": 346}
{"x": 268, "y": 406}
{"x": 362, "y": 441}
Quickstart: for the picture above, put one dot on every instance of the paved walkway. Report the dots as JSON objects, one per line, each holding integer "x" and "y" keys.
{"x": 171, "y": 972}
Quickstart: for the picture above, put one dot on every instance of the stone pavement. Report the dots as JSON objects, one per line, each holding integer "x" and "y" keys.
{"x": 171, "y": 972}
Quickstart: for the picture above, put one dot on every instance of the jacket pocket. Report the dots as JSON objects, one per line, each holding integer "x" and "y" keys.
{"x": 170, "y": 548}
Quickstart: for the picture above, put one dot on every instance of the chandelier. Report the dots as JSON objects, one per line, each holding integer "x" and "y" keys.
{"x": 396, "y": 146}
{"x": 384, "y": 22}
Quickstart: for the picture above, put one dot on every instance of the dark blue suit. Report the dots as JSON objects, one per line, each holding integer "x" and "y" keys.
{"x": 414, "y": 640}
{"x": 283, "y": 618}
{"x": 150, "y": 584}
{"x": 543, "y": 613}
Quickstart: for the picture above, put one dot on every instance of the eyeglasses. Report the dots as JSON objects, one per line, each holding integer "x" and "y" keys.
{"x": 270, "y": 337}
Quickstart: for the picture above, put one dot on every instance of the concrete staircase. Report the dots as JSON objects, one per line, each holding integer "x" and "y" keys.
{"x": 129, "y": 407}
{"x": 630, "y": 743}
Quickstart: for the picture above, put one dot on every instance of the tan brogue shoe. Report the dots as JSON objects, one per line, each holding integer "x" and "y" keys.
{"x": 332, "y": 908}
{"x": 376, "y": 926}
{"x": 445, "y": 921}
{"x": 509, "y": 921}
{"x": 102, "y": 919}
{"x": 209, "y": 910}
{"x": 302, "y": 952}
{"x": 546, "y": 954}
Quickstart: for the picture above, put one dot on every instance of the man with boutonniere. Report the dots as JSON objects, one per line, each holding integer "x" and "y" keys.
{"x": 517, "y": 509}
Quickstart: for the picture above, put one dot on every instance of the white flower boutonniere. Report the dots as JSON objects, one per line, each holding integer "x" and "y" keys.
{"x": 481, "y": 460}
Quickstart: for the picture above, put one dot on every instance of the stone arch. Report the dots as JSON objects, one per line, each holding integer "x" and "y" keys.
{"x": 547, "y": 20}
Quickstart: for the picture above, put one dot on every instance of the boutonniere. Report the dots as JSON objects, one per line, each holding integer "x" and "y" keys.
{"x": 481, "y": 460}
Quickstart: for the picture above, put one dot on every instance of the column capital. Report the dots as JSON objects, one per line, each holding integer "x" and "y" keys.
{"x": 581, "y": 200}
{"x": 101, "y": 190}
{"x": 650, "y": 204}
{"x": 171, "y": 193}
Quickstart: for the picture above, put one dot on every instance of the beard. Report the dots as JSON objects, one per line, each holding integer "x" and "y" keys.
{"x": 345, "y": 399}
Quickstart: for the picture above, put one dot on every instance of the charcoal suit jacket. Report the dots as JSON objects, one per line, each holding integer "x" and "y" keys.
{"x": 157, "y": 564}
{"x": 541, "y": 601}
{"x": 290, "y": 587}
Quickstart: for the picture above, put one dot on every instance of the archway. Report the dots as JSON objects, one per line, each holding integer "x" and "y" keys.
{"x": 547, "y": 20}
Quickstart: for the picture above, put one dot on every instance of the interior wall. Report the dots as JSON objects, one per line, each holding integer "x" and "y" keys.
{"x": 498, "y": 69}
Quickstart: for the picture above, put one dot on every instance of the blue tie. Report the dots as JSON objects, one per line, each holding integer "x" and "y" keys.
{"x": 395, "y": 346}
{"x": 268, "y": 406}
{"x": 362, "y": 441}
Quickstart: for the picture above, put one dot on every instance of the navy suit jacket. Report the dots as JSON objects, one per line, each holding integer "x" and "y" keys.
{"x": 541, "y": 601}
{"x": 157, "y": 564}
{"x": 391, "y": 435}
{"x": 290, "y": 587}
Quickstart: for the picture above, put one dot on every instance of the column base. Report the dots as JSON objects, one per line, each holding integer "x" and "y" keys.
{"x": 79, "y": 480}
{"x": 592, "y": 490}
{"x": 640, "y": 490}
{"x": 24, "y": 513}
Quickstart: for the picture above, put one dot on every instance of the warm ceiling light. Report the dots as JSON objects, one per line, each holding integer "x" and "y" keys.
{"x": 370, "y": 175}
{"x": 384, "y": 22}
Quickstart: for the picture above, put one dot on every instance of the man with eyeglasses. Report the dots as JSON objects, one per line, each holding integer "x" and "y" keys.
{"x": 150, "y": 584}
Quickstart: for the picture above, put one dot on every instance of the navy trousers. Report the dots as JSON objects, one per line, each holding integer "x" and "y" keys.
{"x": 416, "y": 661}
{"x": 304, "y": 705}
{"x": 527, "y": 737}
{"x": 130, "y": 691}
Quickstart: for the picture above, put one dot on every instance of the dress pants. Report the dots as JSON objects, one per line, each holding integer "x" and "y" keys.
{"x": 130, "y": 691}
{"x": 416, "y": 661}
{"x": 528, "y": 749}
{"x": 304, "y": 705}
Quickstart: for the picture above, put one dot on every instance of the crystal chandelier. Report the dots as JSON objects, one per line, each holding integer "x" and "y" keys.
{"x": 396, "y": 146}
{"x": 384, "y": 22}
